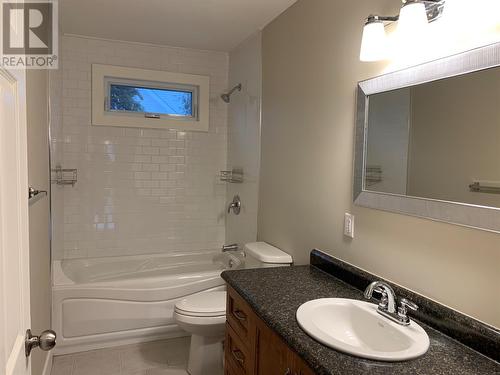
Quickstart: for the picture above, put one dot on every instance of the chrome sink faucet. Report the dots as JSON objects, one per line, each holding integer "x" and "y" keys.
{"x": 387, "y": 305}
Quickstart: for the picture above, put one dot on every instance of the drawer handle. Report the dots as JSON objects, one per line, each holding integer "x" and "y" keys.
{"x": 240, "y": 315}
{"x": 238, "y": 356}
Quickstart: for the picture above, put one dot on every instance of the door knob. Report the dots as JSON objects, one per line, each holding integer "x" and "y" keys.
{"x": 46, "y": 341}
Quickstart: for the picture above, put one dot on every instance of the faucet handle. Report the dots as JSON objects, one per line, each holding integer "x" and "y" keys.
{"x": 408, "y": 304}
{"x": 235, "y": 205}
{"x": 404, "y": 305}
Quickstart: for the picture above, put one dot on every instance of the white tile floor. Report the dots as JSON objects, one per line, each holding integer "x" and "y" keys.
{"x": 167, "y": 357}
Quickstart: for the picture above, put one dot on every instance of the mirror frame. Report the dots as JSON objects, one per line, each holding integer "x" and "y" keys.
{"x": 464, "y": 214}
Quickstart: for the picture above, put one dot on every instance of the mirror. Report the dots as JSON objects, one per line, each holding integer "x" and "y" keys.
{"x": 438, "y": 140}
{"x": 428, "y": 140}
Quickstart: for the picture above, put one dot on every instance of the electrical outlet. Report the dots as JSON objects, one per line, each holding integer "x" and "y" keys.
{"x": 349, "y": 225}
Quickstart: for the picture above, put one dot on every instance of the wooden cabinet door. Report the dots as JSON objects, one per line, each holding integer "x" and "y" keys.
{"x": 272, "y": 354}
{"x": 300, "y": 367}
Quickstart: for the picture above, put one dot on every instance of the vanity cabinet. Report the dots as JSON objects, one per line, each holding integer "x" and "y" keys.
{"x": 252, "y": 348}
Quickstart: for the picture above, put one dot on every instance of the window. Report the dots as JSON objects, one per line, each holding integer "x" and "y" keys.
{"x": 141, "y": 97}
{"x": 146, "y": 98}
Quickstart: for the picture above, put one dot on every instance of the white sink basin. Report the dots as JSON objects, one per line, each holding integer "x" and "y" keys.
{"x": 355, "y": 327}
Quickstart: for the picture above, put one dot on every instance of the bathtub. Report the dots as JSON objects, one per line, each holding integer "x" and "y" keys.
{"x": 99, "y": 302}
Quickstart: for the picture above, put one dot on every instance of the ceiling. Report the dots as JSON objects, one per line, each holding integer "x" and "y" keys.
{"x": 204, "y": 24}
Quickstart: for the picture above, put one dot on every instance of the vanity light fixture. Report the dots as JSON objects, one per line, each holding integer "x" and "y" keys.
{"x": 374, "y": 43}
{"x": 412, "y": 21}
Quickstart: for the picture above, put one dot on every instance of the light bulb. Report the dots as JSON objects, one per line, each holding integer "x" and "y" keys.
{"x": 373, "y": 43}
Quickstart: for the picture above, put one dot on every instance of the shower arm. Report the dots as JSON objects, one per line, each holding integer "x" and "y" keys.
{"x": 237, "y": 87}
{"x": 226, "y": 97}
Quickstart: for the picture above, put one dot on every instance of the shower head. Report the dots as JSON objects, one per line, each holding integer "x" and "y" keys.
{"x": 227, "y": 96}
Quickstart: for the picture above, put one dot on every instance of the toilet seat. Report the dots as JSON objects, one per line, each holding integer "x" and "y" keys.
{"x": 201, "y": 324}
{"x": 210, "y": 304}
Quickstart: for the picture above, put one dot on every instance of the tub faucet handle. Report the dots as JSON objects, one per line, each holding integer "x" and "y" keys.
{"x": 235, "y": 205}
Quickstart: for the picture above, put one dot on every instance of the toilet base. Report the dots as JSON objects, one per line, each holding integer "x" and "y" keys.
{"x": 205, "y": 355}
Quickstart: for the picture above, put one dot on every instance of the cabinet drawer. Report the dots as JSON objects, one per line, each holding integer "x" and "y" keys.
{"x": 237, "y": 355}
{"x": 240, "y": 317}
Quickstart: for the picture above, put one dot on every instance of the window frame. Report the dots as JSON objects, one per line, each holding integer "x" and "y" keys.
{"x": 103, "y": 76}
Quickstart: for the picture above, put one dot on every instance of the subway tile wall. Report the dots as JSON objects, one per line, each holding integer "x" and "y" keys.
{"x": 139, "y": 191}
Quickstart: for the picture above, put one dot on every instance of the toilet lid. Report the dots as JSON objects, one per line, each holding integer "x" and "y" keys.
{"x": 203, "y": 304}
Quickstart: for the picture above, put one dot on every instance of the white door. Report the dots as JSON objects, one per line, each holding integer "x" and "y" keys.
{"x": 14, "y": 247}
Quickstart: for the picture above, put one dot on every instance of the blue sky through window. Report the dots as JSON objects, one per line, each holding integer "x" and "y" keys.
{"x": 152, "y": 100}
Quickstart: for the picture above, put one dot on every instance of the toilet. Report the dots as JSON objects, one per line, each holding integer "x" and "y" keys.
{"x": 203, "y": 315}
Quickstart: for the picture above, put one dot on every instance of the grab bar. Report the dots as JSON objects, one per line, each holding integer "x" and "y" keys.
{"x": 485, "y": 187}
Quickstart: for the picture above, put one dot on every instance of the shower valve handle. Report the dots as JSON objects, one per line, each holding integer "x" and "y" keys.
{"x": 235, "y": 205}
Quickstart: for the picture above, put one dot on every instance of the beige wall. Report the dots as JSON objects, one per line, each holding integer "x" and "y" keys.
{"x": 310, "y": 70}
{"x": 38, "y": 175}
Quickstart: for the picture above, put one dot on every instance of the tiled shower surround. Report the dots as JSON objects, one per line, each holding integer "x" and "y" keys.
{"x": 139, "y": 190}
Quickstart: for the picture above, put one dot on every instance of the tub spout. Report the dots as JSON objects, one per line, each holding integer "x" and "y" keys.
{"x": 232, "y": 247}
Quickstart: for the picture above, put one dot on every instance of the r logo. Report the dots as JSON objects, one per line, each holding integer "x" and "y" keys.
{"x": 27, "y": 28}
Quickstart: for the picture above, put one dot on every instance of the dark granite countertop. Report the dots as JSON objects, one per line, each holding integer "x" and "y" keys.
{"x": 276, "y": 293}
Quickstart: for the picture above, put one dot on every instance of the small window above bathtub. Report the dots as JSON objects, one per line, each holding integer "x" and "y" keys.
{"x": 142, "y": 98}
{"x": 152, "y": 99}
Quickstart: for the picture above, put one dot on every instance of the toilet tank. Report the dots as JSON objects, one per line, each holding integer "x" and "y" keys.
{"x": 261, "y": 255}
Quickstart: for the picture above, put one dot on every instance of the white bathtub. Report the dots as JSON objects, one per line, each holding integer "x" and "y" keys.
{"x": 99, "y": 302}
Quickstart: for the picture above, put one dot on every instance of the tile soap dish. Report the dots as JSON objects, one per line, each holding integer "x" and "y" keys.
{"x": 234, "y": 176}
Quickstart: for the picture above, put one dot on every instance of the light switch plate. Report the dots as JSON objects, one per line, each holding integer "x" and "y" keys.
{"x": 349, "y": 225}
